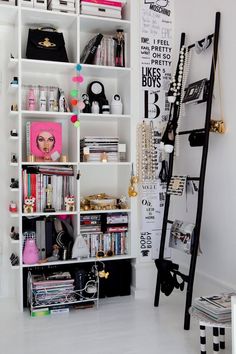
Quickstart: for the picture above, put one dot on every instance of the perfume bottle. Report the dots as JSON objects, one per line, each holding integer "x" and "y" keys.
{"x": 62, "y": 102}
{"x": 31, "y": 100}
{"x": 52, "y": 101}
{"x": 42, "y": 100}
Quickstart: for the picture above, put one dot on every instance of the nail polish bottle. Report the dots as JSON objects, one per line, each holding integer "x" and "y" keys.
{"x": 31, "y": 100}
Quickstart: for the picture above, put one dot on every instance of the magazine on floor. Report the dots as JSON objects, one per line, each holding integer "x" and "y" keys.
{"x": 217, "y": 306}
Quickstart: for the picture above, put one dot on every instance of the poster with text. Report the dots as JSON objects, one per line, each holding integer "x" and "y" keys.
{"x": 156, "y": 55}
{"x": 155, "y": 69}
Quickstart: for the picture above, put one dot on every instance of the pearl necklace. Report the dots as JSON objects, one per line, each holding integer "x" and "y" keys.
{"x": 181, "y": 105}
{"x": 146, "y": 155}
{"x": 176, "y": 82}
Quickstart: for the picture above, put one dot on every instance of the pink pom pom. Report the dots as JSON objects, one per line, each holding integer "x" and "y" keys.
{"x": 78, "y": 79}
{"x": 81, "y": 105}
{"x": 73, "y": 118}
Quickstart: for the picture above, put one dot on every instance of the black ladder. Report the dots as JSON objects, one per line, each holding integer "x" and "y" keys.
{"x": 189, "y": 279}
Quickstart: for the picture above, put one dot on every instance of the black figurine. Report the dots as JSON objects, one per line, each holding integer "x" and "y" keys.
{"x": 87, "y": 108}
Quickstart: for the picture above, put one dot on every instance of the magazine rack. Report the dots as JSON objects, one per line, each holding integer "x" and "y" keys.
{"x": 189, "y": 278}
{"x": 41, "y": 297}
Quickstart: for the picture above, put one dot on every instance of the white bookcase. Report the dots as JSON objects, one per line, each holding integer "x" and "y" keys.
{"x": 111, "y": 178}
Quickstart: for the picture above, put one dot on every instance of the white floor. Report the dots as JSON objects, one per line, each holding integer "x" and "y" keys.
{"x": 120, "y": 325}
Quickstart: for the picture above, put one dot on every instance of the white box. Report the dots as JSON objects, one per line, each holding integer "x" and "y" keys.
{"x": 40, "y": 4}
{"x": 27, "y": 3}
{"x": 62, "y": 5}
{"x": 99, "y": 9}
{"x": 8, "y": 2}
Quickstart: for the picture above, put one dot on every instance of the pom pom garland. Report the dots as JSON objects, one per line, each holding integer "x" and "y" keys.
{"x": 78, "y": 79}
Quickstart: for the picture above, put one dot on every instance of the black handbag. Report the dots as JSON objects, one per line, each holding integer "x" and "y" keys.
{"x": 46, "y": 44}
{"x": 196, "y": 138}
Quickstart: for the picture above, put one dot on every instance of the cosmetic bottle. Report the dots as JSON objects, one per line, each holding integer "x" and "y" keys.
{"x": 62, "y": 102}
{"x": 52, "y": 101}
{"x": 31, "y": 100}
{"x": 42, "y": 100}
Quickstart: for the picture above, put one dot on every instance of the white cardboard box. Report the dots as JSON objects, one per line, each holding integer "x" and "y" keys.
{"x": 88, "y": 8}
{"x": 40, "y": 4}
{"x": 62, "y": 5}
{"x": 8, "y": 2}
{"x": 27, "y": 3}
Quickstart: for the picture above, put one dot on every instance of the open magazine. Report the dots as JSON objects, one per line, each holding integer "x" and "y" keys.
{"x": 181, "y": 236}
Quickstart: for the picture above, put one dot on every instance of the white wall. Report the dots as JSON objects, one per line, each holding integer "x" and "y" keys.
{"x": 6, "y": 275}
{"x": 218, "y": 239}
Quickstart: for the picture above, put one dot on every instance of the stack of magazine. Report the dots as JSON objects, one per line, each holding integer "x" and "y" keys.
{"x": 92, "y": 148}
{"x": 216, "y": 307}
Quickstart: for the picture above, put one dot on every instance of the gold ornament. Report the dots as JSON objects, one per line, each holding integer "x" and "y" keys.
{"x": 133, "y": 180}
{"x": 217, "y": 126}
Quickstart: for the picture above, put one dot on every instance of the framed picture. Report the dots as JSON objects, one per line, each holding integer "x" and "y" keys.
{"x": 45, "y": 140}
{"x": 181, "y": 236}
{"x": 195, "y": 91}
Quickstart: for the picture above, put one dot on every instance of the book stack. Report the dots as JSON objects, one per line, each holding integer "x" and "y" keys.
{"x": 89, "y": 52}
{"x": 104, "y": 8}
{"x": 67, "y": 6}
{"x": 113, "y": 239}
{"x": 37, "y": 179}
{"x": 102, "y": 49}
{"x": 93, "y": 148}
{"x": 51, "y": 293}
{"x": 214, "y": 308}
{"x": 114, "y": 242}
{"x": 90, "y": 223}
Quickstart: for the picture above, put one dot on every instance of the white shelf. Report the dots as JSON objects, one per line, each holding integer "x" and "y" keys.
{"x": 109, "y": 25}
{"x": 15, "y": 267}
{"x": 14, "y": 113}
{"x": 50, "y": 213}
{"x": 39, "y": 114}
{"x": 49, "y": 164}
{"x": 76, "y": 261}
{"x": 14, "y": 215}
{"x": 102, "y": 117}
{"x": 47, "y": 67}
{"x": 101, "y": 164}
{"x": 15, "y": 242}
{"x": 105, "y": 211}
{"x": 110, "y": 177}
{"x": 13, "y": 63}
{"x": 8, "y": 14}
{"x": 13, "y": 89}
{"x": 104, "y": 71}
{"x": 58, "y": 19}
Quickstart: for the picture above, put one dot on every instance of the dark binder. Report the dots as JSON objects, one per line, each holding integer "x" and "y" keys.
{"x": 49, "y": 237}
{"x": 89, "y": 52}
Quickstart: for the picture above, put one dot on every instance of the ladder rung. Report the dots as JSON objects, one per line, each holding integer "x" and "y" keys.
{"x": 193, "y": 178}
{"x": 191, "y": 131}
{"x": 201, "y": 41}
